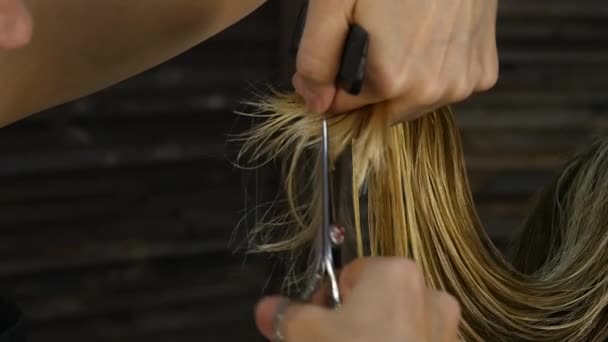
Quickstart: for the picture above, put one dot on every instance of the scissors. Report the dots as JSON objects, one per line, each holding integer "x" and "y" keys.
{"x": 322, "y": 253}
{"x": 350, "y": 78}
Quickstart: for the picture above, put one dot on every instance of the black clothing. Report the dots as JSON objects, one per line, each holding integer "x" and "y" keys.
{"x": 11, "y": 322}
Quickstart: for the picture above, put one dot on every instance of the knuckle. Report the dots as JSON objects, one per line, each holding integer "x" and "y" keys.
{"x": 430, "y": 94}
{"x": 356, "y": 267}
{"x": 450, "y": 306}
{"x": 389, "y": 80}
{"x": 488, "y": 80}
{"x": 351, "y": 272}
{"x": 461, "y": 89}
{"x": 299, "y": 319}
{"x": 488, "y": 76}
{"x": 406, "y": 272}
{"x": 357, "y": 264}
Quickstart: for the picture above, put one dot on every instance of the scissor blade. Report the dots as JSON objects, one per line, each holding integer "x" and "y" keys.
{"x": 322, "y": 249}
{"x": 325, "y": 228}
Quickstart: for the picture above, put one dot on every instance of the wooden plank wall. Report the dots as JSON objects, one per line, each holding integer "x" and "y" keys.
{"x": 116, "y": 210}
{"x": 549, "y": 101}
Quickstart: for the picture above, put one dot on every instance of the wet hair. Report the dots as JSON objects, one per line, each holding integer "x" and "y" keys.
{"x": 420, "y": 206}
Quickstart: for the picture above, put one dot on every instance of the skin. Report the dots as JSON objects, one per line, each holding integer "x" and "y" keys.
{"x": 441, "y": 55}
{"x": 384, "y": 299}
{"x": 15, "y": 24}
{"x": 114, "y": 40}
{"x": 423, "y": 55}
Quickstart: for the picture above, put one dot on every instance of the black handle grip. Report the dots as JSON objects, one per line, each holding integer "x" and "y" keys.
{"x": 354, "y": 58}
{"x": 354, "y": 55}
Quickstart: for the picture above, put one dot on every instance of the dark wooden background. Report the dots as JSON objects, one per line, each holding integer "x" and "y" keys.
{"x": 116, "y": 211}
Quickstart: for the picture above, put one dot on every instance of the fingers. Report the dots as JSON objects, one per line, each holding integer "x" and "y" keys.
{"x": 487, "y": 57}
{"x": 422, "y": 54}
{"x": 393, "y": 34}
{"x": 351, "y": 273}
{"x": 446, "y": 317}
{"x": 392, "y": 293}
{"x": 15, "y": 24}
{"x": 321, "y": 296}
{"x": 265, "y": 312}
{"x": 298, "y": 322}
{"x": 345, "y": 102}
{"x": 320, "y": 51}
{"x": 386, "y": 299}
{"x": 348, "y": 277}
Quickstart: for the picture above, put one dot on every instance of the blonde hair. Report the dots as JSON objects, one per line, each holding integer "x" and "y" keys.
{"x": 420, "y": 207}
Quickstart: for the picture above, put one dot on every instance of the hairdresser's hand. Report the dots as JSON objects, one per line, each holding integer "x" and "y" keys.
{"x": 383, "y": 300}
{"x": 422, "y": 54}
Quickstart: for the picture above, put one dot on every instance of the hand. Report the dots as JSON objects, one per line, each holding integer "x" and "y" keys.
{"x": 383, "y": 300}
{"x": 422, "y": 54}
{"x": 15, "y": 24}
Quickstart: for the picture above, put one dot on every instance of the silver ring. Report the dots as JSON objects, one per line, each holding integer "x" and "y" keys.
{"x": 278, "y": 319}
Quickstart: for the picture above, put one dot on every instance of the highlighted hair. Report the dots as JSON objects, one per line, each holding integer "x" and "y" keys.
{"x": 420, "y": 207}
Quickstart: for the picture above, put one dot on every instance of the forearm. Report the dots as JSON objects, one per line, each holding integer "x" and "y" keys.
{"x": 80, "y": 47}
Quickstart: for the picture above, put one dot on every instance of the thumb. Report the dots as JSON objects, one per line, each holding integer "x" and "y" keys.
{"x": 300, "y": 322}
{"x": 320, "y": 52}
{"x": 265, "y": 313}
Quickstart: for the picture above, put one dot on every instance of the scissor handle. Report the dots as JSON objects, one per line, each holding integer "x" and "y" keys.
{"x": 354, "y": 59}
{"x": 350, "y": 77}
{"x": 354, "y": 55}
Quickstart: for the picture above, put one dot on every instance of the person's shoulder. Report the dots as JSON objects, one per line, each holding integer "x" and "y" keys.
{"x": 11, "y": 322}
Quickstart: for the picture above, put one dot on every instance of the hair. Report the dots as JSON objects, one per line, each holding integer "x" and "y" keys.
{"x": 420, "y": 207}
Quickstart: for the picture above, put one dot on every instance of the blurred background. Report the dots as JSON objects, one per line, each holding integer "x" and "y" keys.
{"x": 117, "y": 210}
